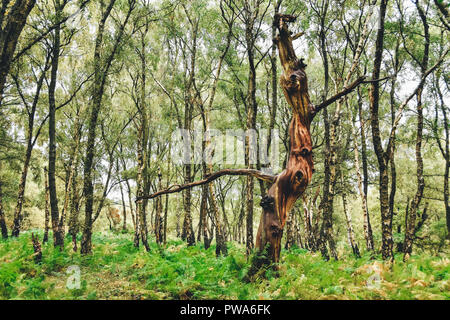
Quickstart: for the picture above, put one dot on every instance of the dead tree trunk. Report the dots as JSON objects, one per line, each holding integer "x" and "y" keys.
{"x": 292, "y": 182}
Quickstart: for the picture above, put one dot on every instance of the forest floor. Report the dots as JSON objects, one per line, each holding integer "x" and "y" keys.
{"x": 117, "y": 270}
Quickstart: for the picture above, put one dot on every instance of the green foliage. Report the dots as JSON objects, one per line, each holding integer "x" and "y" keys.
{"x": 117, "y": 270}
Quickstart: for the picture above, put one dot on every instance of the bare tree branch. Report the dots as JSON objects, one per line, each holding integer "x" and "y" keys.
{"x": 225, "y": 172}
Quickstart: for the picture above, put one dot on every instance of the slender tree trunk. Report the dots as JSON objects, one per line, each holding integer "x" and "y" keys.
{"x": 12, "y": 22}
{"x": 366, "y": 225}
{"x": 47, "y": 207}
{"x": 36, "y": 248}
{"x": 350, "y": 231}
{"x": 392, "y": 160}
{"x": 58, "y": 238}
{"x": 166, "y": 210}
{"x": 290, "y": 231}
{"x": 188, "y": 232}
{"x": 74, "y": 210}
{"x": 374, "y": 96}
{"x": 140, "y": 208}
{"x": 97, "y": 95}
{"x": 70, "y": 181}
{"x": 3, "y": 227}
{"x": 326, "y": 205}
{"x": 221, "y": 247}
{"x": 292, "y": 182}
{"x": 100, "y": 75}
{"x": 158, "y": 214}
{"x": 445, "y": 150}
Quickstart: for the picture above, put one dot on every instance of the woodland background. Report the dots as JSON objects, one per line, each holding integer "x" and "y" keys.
{"x": 90, "y": 92}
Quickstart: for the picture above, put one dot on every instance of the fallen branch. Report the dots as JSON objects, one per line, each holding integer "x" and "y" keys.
{"x": 213, "y": 176}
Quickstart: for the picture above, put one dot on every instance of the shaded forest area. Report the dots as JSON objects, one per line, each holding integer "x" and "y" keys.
{"x": 338, "y": 117}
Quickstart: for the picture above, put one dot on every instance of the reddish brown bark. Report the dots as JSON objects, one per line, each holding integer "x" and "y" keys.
{"x": 292, "y": 182}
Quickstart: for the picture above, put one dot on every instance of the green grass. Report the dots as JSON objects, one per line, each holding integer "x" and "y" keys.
{"x": 117, "y": 270}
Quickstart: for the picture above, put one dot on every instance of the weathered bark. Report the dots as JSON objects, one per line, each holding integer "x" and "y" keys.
{"x": 326, "y": 204}
{"x": 292, "y": 182}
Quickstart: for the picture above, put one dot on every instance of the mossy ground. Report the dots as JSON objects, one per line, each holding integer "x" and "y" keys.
{"x": 117, "y": 270}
